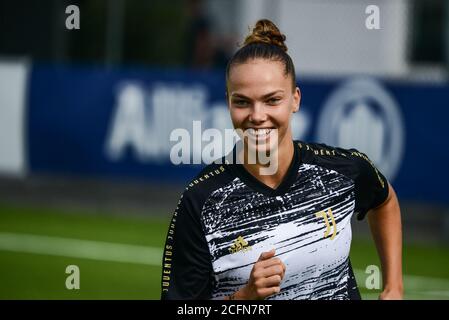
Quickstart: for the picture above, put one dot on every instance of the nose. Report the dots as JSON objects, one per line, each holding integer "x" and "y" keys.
{"x": 257, "y": 114}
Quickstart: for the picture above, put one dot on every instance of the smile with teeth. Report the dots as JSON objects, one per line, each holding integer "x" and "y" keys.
{"x": 259, "y": 133}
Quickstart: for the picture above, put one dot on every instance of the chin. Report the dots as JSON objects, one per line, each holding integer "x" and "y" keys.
{"x": 260, "y": 148}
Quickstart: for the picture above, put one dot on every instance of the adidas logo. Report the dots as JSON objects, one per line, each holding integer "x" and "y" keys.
{"x": 239, "y": 244}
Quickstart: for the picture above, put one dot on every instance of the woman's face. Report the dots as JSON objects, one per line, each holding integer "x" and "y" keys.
{"x": 261, "y": 101}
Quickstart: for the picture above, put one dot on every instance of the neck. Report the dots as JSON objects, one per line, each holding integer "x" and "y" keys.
{"x": 282, "y": 158}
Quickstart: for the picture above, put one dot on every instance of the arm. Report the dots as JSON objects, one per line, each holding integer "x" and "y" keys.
{"x": 186, "y": 266}
{"x": 385, "y": 225}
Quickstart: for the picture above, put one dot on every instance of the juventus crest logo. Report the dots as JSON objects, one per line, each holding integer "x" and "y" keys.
{"x": 325, "y": 215}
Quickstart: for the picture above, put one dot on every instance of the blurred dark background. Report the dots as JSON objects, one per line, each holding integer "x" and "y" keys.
{"x": 114, "y": 32}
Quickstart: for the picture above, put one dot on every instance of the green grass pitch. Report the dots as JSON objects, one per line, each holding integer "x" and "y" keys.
{"x": 39, "y": 273}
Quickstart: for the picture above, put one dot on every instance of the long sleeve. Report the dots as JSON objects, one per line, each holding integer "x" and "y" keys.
{"x": 186, "y": 269}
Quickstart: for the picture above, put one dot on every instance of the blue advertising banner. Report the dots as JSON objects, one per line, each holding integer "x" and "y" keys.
{"x": 127, "y": 123}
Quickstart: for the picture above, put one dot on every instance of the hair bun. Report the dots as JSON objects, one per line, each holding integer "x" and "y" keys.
{"x": 266, "y": 31}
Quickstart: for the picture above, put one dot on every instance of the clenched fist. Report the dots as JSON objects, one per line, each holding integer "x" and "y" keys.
{"x": 264, "y": 280}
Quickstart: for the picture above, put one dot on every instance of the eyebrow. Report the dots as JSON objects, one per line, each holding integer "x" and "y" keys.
{"x": 265, "y": 96}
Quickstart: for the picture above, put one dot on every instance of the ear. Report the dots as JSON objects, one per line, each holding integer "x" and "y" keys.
{"x": 296, "y": 99}
{"x": 227, "y": 98}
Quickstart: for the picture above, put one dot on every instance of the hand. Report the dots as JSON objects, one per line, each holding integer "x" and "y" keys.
{"x": 265, "y": 278}
{"x": 391, "y": 294}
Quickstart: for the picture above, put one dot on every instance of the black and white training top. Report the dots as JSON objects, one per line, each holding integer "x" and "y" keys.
{"x": 226, "y": 218}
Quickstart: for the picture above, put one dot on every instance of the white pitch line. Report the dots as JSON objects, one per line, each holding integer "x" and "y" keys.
{"x": 437, "y": 293}
{"x": 415, "y": 285}
{"x": 76, "y": 248}
{"x": 415, "y": 282}
{"x": 138, "y": 254}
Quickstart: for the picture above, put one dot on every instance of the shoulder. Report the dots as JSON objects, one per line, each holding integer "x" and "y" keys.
{"x": 313, "y": 151}
{"x": 210, "y": 178}
{"x": 370, "y": 185}
{"x": 350, "y": 162}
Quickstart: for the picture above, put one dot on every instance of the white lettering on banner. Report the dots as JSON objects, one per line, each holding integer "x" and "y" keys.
{"x": 128, "y": 124}
{"x": 173, "y": 107}
{"x": 143, "y": 122}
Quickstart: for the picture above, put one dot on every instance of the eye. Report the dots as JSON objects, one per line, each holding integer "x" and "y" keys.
{"x": 240, "y": 102}
{"x": 274, "y": 100}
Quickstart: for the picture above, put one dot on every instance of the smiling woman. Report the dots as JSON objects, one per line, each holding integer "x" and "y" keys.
{"x": 240, "y": 233}
{"x": 262, "y": 94}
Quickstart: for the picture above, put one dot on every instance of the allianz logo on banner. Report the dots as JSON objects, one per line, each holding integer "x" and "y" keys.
{"x": 144, "y": 119}
{"x": 359, "y": 114}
